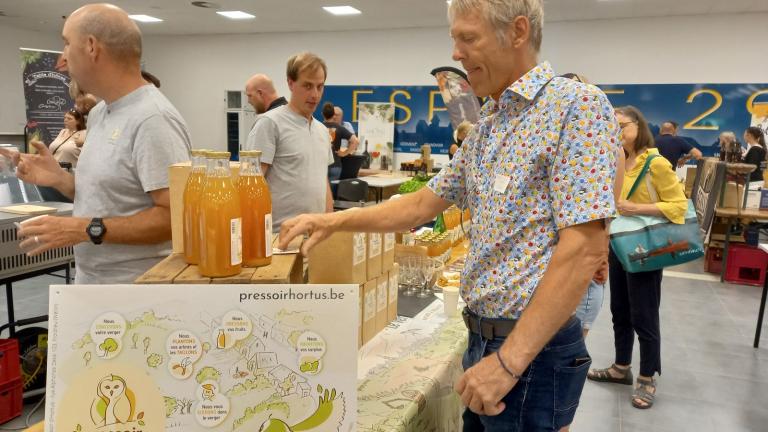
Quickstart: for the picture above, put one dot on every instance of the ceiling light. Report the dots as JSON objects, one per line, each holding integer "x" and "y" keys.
{"x": 205, "y": 4}
{"x": 236, "y": 14}
{"x": 342, "y": 10}
{"x": 144, "y": 18}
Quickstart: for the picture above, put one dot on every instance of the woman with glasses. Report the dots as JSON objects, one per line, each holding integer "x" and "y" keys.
{"x": 68, "y": 144}
{"x": 635, "y": 297}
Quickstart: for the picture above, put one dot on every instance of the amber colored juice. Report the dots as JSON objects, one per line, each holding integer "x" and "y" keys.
{"x": 192, "y": 193}
{"x": 220, "y": 246}
{"x": 256, "y": 204}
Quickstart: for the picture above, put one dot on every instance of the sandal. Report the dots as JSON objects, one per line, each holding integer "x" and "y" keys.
{"x": 642, "y": 395}
{"x": 604, "y": 375}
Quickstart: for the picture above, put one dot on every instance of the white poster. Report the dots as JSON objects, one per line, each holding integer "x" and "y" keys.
{"x": 376, "y": 127}
{"x": 202, "y": 358}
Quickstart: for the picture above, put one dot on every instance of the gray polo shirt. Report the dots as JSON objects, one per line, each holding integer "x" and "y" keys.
{"x": 299, "y": 152}
{"x": 129, "y": 146}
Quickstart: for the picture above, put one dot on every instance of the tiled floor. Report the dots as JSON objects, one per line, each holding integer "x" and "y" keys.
{"x": 713, "y": 379}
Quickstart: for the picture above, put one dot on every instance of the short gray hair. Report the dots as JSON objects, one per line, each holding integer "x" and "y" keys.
{"x": 501, "y": 13}
{"x": 121, "y": 37}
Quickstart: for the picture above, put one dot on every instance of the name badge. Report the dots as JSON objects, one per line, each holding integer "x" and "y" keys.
{"x": 501, "y": 183}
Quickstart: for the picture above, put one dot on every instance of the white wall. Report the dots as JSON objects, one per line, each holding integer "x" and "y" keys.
{"x": 712, "y": 49}
{"x": 12, "y": 113}
{"x": 692, "y": 49}
{"x": 196, "y": 71}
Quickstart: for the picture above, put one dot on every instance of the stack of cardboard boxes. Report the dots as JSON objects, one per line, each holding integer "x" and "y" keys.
{"x": 367, "y": 260}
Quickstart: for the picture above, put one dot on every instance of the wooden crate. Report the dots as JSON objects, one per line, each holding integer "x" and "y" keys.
{"x": 285, "y": 269}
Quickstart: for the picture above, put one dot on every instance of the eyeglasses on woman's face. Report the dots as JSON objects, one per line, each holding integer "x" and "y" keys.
{"x": 625, "y": 124}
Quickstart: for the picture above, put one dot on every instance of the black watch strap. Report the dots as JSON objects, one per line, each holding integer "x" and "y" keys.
{"x": 96, "y": 230}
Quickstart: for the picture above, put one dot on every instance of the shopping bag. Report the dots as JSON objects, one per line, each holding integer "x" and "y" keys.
{"x": 646, "y": 243}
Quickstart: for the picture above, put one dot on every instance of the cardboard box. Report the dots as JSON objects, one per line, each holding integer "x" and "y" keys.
{"x": 734, "y": 195}
{"x": 341, "y": 258}
{"x": 360, "y": 317}
{"x": 382, "y": 300}
{"x": 369, "y": 310}
{"x": 388, "y": 255}
{"x": 394, "y": 277}
{"x": 374, "y": 255}
{"x": 177, "y": 178}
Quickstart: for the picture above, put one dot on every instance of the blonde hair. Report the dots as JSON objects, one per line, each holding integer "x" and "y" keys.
{"x": 728, "y": 137}
{"x": 501, "y": 13}
{"x": 464, "y": 128}
{"x": 305, "y": 61}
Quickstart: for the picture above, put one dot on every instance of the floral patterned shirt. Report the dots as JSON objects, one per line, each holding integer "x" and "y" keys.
{"x": 540, "y": 159}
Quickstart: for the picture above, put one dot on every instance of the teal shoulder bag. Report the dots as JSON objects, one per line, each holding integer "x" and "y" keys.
{"x": 647, "y": 243}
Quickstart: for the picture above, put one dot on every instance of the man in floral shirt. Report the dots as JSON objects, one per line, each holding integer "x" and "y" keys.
{"x": 537, "y": 173}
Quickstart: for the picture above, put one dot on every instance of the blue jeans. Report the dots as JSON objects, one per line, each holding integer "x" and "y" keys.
{"x": 334, "y": 173}
{"x": 590, "y": 305}
{"x": 548, "y": 395}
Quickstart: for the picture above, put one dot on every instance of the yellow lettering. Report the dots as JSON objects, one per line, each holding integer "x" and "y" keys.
{"x": 432, "y": 108}
{"x": 694, "y": 124}
{"x": 354, "y": 102}
{"x": 759, "y": 109}
{"x": 407, "y": 110}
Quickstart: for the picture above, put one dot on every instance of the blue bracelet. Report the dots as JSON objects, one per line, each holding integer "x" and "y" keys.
{"x": 514, "y": 375}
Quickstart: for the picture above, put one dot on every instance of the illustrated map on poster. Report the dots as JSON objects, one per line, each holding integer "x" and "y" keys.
{"x": 188, "y": 358}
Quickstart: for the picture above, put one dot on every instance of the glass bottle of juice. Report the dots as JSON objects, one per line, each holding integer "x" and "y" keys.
{"x": 256, "y": 204}
{"x": 192, "y": 193}
{"x": 221, "y": 252}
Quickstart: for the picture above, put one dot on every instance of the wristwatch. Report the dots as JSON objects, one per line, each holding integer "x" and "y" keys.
{"x": 96, "y": 230}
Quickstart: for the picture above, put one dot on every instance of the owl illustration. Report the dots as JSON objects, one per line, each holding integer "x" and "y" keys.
{"x": 115, "y": 402}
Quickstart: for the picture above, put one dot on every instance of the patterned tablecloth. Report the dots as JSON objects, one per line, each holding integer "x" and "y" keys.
{"x": 406, "y": 375}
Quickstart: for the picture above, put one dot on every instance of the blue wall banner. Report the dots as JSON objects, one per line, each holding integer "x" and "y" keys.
{"x": 46, "y": 92}
{"x": 702, "y": 111}
{"x": 420, "y": 115}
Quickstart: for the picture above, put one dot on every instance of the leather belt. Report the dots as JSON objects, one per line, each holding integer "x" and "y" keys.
{"x": 490, "y": 328}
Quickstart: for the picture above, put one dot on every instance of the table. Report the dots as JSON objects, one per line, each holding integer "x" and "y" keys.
{"x": 286, "y": 268}
{"x": 406, "y": 374}
{"x": 761, "y": 312}
{"x": 17, "y": 266}
{"x": 731, "y": 214}
{"x": 381, "y": 181}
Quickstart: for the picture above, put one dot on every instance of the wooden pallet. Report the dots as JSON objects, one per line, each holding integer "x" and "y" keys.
{"x": 285, "y": 269}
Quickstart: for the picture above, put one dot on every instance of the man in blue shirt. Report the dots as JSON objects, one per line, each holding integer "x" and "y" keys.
{"x": 675, "y": 149}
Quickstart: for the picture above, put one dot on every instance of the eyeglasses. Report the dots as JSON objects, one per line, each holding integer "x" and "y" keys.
{"x": 625, "y": 124}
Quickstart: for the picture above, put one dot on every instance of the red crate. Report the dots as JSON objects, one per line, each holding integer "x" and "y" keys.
{"x": 746, "y": 265}
{"x": 714, "y": 260}
{"x": 10, "y": 368}
{"x": 11, "y": 403}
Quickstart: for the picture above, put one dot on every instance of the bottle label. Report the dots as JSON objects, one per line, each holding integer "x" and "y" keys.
{"x": 236, "y": 240}
{"x": 268, "y": 234}
{"x": 375, "y": 245}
